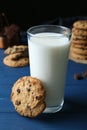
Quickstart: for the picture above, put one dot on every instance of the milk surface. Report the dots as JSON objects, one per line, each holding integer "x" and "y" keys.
{"x": 48, "y": 53}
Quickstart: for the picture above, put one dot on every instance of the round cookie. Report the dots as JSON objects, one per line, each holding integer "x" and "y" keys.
{"x": 79, "y": 41}
{"x": 21, "y": 62}
{"x": 80, "y": 24}
{"x": 16, "y": 48}
{"x": 81, "y": 46}
{"x": 82, "y": 51}
{"x": 78, "y": 58}
{"x": 28, "y": 96}
{"x": 77, "y": 37}
{"x": 18, "y": 55}
{"x": 79, "y": 32}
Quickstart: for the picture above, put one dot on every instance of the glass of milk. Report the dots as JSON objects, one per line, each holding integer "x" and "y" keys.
{"x": 48, "y": 54}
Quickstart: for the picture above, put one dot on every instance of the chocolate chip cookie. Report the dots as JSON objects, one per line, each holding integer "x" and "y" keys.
{"x": 16, "y": 60}
{"x": 28, "y": 96}
{"x": 80, "y": 24}
{"x": 16, "y": 48}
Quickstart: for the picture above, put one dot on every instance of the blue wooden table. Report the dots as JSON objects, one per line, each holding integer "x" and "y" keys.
{"x": 73, "y": 115}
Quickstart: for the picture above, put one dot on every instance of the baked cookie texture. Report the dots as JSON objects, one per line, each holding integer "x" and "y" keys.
{"x": 78, "y": 48}
{"x": 15, "y": 61}
{"x": 15, "y": 48}
{"x": 28, "y": 96}
{"x": 16, "y": 56}
{"x": 80, "y": 24}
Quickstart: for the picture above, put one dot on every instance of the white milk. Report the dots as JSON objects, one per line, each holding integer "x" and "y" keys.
{"x": 48, "y": 61}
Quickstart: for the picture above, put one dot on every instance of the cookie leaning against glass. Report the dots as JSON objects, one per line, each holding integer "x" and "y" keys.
{"x": 78, "y": 48}
{"x": 28, "y": 96}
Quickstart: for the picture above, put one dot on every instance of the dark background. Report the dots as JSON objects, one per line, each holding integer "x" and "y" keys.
{"x": 28, "y": 13}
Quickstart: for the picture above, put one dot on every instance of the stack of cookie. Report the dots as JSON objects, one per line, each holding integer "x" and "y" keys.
{"x": 16, "y": 56}
{"x": 78, "y": 48}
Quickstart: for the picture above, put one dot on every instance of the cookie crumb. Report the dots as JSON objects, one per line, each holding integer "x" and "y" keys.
{"x": 78, "y": 76}
{"x": 85, "y": 73}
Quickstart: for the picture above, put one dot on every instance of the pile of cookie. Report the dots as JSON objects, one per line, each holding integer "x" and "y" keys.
{"x": 16, "y": 56}
{"x": 78, "y": 48}
{"x": 28, "y": 96}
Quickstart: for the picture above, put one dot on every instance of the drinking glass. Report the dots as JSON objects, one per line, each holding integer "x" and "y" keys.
{"x": 48, "y": 54}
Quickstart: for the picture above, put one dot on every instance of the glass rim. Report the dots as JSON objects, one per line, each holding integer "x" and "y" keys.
{"x": 66, "y": 29}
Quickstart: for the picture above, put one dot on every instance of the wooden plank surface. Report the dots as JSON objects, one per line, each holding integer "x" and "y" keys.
{"x": 73, "y": 116}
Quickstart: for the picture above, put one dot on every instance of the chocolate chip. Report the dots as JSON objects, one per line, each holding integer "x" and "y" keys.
{"x": 29, "y": 85}
{"x": 18, "y": 90}
{"x": 38, "y": 97}
{"x": 85, "y": 73}
{"x": 78, "y": 76}
{"x": 28, "y": 89}
{"x": 17, "y": 102}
